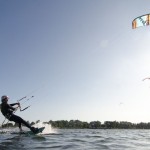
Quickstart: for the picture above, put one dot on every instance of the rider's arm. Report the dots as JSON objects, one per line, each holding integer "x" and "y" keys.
{"x": 10, "y": 107}
{"x": 14, "y": 104}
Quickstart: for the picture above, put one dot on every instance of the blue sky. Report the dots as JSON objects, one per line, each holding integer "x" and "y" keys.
{"x": 80, "y": 59}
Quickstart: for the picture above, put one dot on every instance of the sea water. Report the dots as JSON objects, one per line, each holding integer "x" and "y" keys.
{"x": 77, "y": 139}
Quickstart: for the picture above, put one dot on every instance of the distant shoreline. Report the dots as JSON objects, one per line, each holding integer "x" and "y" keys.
{"x": 77, "y": 124}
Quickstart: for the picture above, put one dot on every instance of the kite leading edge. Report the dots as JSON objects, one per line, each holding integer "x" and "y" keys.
{"x": 140, "y": 21}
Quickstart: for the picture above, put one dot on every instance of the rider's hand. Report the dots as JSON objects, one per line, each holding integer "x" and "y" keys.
{"x": 18, "y": 104}
{"x": 15, "y": 109}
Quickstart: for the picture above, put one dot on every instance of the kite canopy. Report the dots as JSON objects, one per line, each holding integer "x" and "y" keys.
{"x": 140, "y": 21}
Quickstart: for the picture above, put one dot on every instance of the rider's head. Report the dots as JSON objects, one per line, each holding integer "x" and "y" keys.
{"x": 4, "y": 98}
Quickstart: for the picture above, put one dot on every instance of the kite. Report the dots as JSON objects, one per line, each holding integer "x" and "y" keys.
{"x": 145, "y": 79}
{"x": 140, "y": 21}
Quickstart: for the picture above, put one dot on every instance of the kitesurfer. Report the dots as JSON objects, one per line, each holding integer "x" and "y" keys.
{"x": 8, "y": 109}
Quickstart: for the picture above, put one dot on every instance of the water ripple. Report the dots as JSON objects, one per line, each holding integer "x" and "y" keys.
{"x": 79, "y": 140}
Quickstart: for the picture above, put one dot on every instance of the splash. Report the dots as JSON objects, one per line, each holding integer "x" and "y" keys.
{"x": 3, "y": 131}
{"x": 48, "y": 128}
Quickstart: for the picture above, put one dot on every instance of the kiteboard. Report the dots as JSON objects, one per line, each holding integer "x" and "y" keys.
{"x": 40, "y": 130}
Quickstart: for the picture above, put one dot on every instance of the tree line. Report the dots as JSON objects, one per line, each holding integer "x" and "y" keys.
{"x": 77, "y": 124}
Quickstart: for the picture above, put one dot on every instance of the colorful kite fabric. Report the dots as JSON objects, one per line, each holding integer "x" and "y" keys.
{"x": 140, "y": 21}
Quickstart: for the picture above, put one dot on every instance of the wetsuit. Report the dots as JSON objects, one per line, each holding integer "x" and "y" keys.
{"x": 7, "y": 111}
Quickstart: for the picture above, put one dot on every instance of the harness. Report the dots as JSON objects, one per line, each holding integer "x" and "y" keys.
{"x": 6, "y": 111}
{"x": 8, "y": 115}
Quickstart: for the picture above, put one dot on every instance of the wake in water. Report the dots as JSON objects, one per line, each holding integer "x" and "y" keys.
{"x": 48, "y": 129}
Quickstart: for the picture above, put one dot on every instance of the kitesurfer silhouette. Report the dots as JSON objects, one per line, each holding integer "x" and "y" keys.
{"x": 8, "y": 109}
